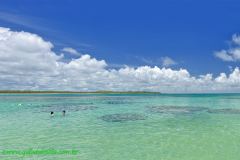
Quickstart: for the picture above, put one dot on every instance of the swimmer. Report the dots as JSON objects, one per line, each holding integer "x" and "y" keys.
{"x": 52, "y": 114}
{"x": 63, "y": 112}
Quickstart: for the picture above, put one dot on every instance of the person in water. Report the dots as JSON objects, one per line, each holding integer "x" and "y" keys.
{"x": 52, "y": 113}
{"x": 63, "y": 112}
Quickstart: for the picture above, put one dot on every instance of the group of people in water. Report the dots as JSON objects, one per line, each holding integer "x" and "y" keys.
{"x": 52, "y": 113}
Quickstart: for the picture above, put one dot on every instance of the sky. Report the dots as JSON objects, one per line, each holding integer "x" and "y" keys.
{"x": 167, "y": 46}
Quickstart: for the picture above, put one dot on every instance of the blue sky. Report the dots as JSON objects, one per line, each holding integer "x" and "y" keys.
{"x": 200, "y": 37}
{"x": 125, "y": 32}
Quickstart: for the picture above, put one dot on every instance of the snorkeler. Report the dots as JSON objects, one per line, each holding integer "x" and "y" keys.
{"x": 52, "y": 113}
{"x": 63, "y": 112}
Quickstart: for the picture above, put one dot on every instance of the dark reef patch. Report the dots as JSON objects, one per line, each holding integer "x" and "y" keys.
{"x": 224, "y": 111}
{"x": 68, "y": 108}
{"x": 175, "y": 109}
{"x": 123, "y": 117}
{"x": 117, "y": 102}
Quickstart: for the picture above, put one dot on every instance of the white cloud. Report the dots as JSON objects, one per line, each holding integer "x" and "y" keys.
{"x": 166, "y": 61}
{"x": 224, "y": 55}
{"x": 22, "y": 52}
{"x": 236, "y": 39}
{"x": 163, "y": 61}
{"x": 71, "y": 51}
{"x": 233, "y": 53}
{"x": 28, "y": 62}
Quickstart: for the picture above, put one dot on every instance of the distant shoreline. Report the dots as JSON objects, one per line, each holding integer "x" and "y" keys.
{"x": 73, "y": 92}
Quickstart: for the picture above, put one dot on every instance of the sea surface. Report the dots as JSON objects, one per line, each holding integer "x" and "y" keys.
{"x": 122, "y": 126}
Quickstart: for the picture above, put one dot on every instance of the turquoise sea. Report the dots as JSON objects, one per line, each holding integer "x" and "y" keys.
{"x": 122, "y": 126}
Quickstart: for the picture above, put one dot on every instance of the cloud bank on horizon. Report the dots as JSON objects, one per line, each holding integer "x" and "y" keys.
{"x": 28, "y": 62}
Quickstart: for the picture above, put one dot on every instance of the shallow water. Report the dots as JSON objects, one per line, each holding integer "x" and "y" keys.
{"x": 117, "y": 127}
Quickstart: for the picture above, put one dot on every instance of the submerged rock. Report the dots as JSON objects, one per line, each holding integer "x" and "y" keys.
{"x": 123, "y": 117}
{"x": 225, "y": 111}
{"x": 175, "y": 109}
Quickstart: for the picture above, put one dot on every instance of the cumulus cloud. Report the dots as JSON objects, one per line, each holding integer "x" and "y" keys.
{"x": 233, "y": 53}
{"x": 236, "y": 39}
{"x": 163, "y": 61}
{"x": 224, "y": 55}
{"x": 71, "y": 51}
{"x": 26, "y": 53}
{"x": 166, "y": 61}
{"x": 28, "y": 62}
